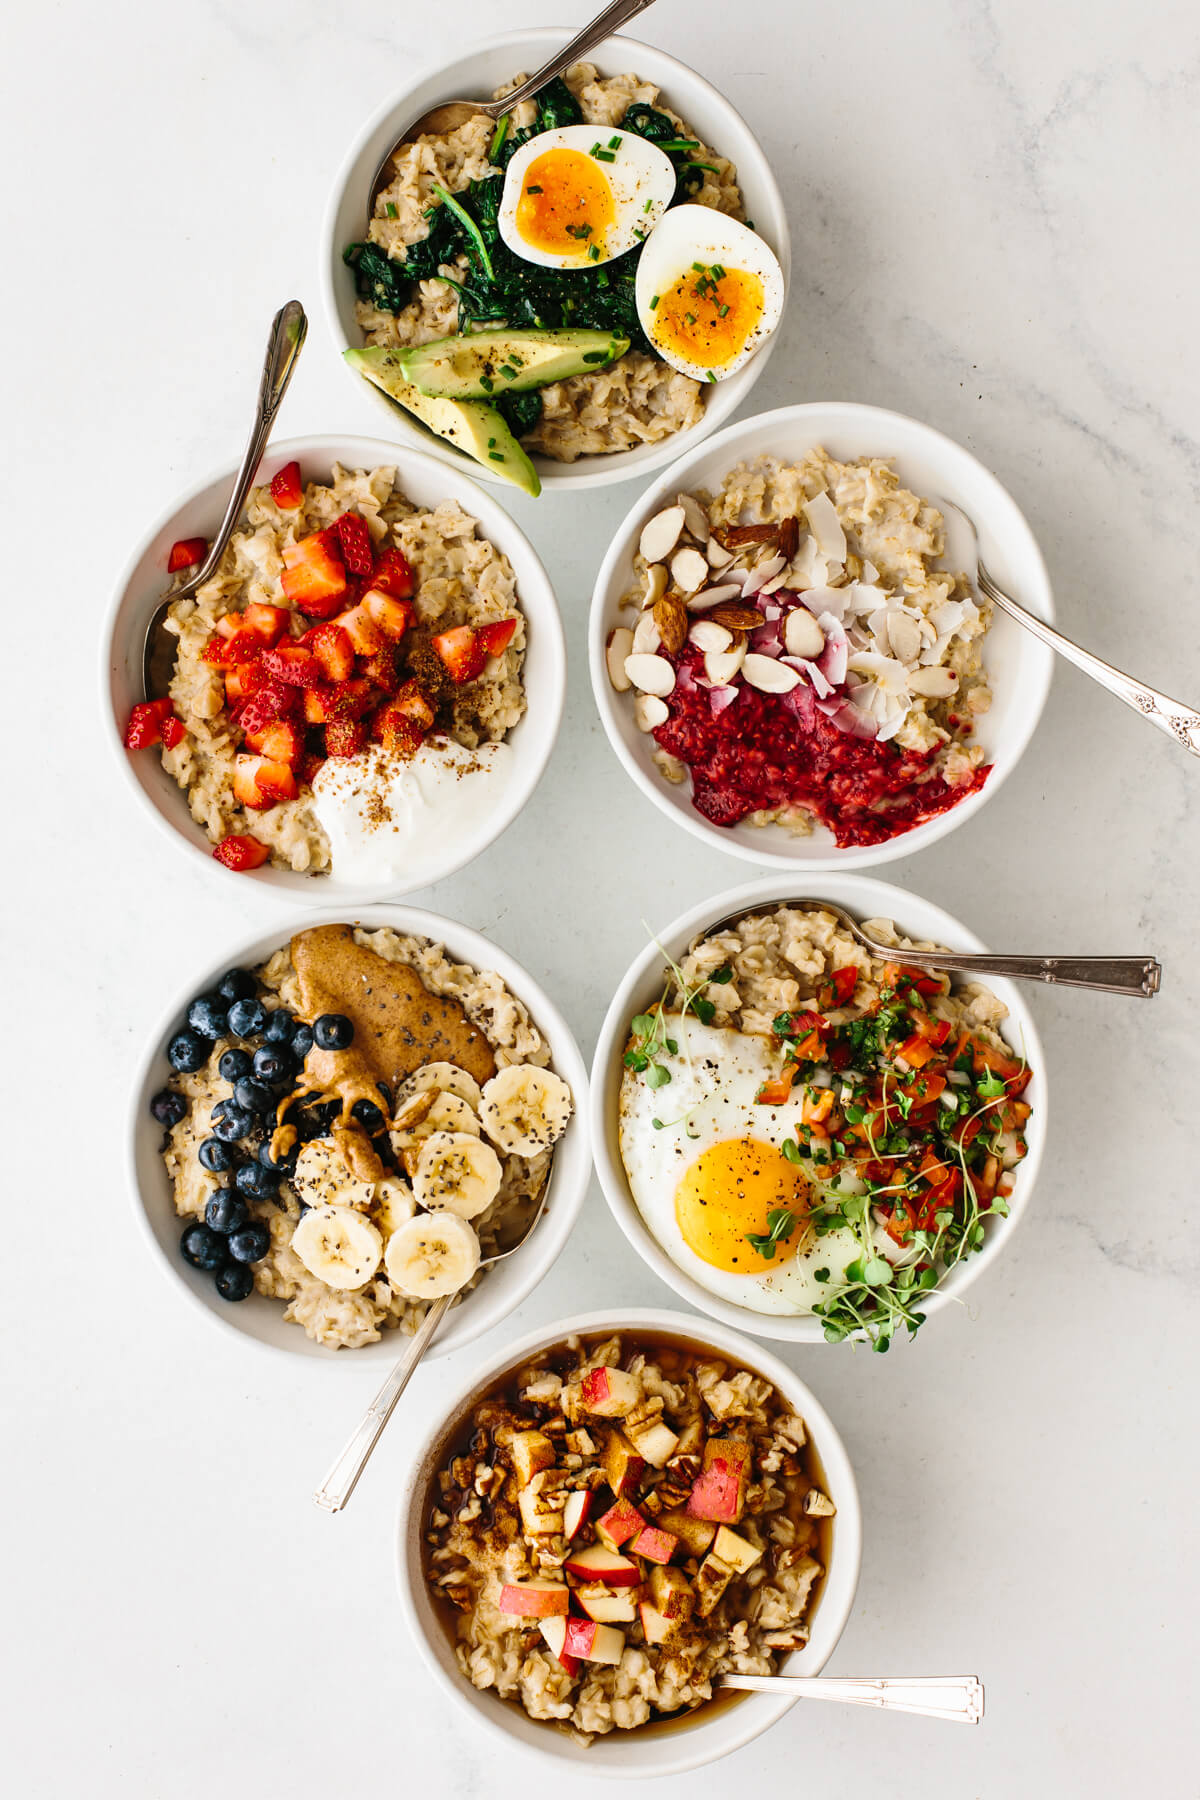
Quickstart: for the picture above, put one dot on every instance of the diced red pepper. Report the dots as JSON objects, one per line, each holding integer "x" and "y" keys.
{"x": 777, "y": 1091}
{"x": 287, "y": 489}
{"x": 916, "y": 1051}
{"x": 811, "y": 1048}
{"x": 935, "y": 1030}
{"x": 185, "y": 553}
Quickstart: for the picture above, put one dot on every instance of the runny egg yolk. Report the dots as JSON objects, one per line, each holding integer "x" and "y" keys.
{"x": 726, "y": 1195}
{"x": 709, "y": 315}
{"x": 566, "y": 204}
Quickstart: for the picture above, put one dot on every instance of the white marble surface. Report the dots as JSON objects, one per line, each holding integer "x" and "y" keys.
{"x": 993, "y": 209}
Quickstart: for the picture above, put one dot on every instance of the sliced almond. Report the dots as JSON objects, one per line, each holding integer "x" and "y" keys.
{"x": 661, "y": 534}
{"x": 711, "y": 596}
{"x": 646, "y": 637}
{"x": 904, "y": 636}
{"x": 769, "y": 676}
{"x": 657, "y": 578}
{"x": 802, "y": 636}
{"x": 707, "y": 635}
{"x": 649, "y": 713}
{"x": 651, "y": 674}
{"x": 722, "y": 665}
{"x": 671, "y": 617}
{"x": 619, "y": 646}
{"x": 695, "y": 518}
{"x": 934, "y": 683}
{"x": 718, "y": 556}
{"x": 689, "y": 570}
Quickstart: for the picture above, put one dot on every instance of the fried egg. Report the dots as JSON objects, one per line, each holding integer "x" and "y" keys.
{"x": 706, "y": 1177}
{"x": 582, "y": 195}
{"x": 709, "y": 292}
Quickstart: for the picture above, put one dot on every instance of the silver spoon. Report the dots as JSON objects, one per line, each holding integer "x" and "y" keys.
{"x": 335, "y": 1491}
{"x": 1139, "y": 975}
{"x": 1178, "y": 721}
{"x": 955, "y": 1697}
{"x": 453, "y": 113}
{"x": 288, "y": 330}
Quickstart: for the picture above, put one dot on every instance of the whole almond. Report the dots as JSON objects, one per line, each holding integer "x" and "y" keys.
{"x": 733, "y": 537}
{"x": 671, "y": 617}
{"x": 789, "y": 537}
{"x": 735, "y": 617}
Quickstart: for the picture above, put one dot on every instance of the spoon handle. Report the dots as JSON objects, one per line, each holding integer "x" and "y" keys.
{"x": 1137, "y": 975}
{"x": 601, "y": 27}
{"x": 1178, "y": 721}
{"x": 335, "y": 1491}
{"x": 955, "y": 1697}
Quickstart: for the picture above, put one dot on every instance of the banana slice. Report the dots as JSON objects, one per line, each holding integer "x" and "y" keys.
{"x": 415, "y": 1121}
{"x": 323, "y": 1179}
{"x": 457, "y": 1173}
{"x": 525, "y": 1109}
{"x": 338, "y": 1246}
{"x": 431, "y": 1254}
{"x": 392, "y": 1205}
{"x": 446, "y": 1076}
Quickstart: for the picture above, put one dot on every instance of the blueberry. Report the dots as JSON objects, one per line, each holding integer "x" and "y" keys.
{"x": 235, "y": 1065}
{"x": 215, "y": 1156}
{"x": 333, "y": 1031}
{"x": 250, "y": 1245}
{"x": 187, "y": 1051}
{"x": 280, "y": 1026}
{"x": 247, "y": 1018}
{"x": 235, "y": 1282}
{"x": 203, "y": 1248}
{"x": 238, "y": 984}
{"x": 253, "y": 1097}
{"x": 285, "y": 1164}
{"x": 226, "y": 1212}
{"x": 168, "y": 1107}
{"x": 257, "y": 1182}
{"x": 369, "y": 1117}
{"x": 233, "y": 1125}
{"x": 302, "y": 1042}
{"x": 272, "y": 1063}
{"x": 208, "y": 1016}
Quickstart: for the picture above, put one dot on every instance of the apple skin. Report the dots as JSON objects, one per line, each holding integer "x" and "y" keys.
{"x": 619, "y": 1523}
{"x": 593, "y": 1643}
{"x": 719, "y": 1491}
{"x": 608, "y": 1566}
{"x": 577, "y": 1511}
{"x": 610, "y": 1393}
{"x": 534, "y": 1599}
{"x": 655, "y": 1545}
{"x": 554, "y": 1632}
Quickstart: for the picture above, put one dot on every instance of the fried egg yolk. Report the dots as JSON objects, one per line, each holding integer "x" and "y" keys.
{"x": 709, "y": 315}
{"x": 725, "y": 1197}
{"x": 566, "y": 204}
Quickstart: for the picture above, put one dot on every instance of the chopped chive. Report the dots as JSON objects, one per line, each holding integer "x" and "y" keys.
{"x": 508, "y": 372}
{"x": 689, "y": 318}
{"x": 595, "y": 356}
{"x": 392, "y": 210}
{"x": 653, "y": 302}
{"x": 649, "y": 206}
{"x": 495, "y": 456}
{"x": 723, "y": 311}
{"x": 699, "y": 266}
{"x": 533, "y": 190}
{"x": 593, "y": 253}
{"x": 604, "y": 155}
{"x": 594, "y": 148}
{"x": 486, "y": 383}
{"x": 711, "y": 375}
{"x": 718, "y": 271}
{"x": 491, "y": 443}
{"x": 614, "y": 143}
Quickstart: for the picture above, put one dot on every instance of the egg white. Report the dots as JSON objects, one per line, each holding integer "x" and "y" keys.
{"x": 697, "y": 234}
{"x": 641, "y": 179}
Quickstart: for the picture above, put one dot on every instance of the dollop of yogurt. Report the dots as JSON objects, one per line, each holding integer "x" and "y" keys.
{"x": 388, "y": 818}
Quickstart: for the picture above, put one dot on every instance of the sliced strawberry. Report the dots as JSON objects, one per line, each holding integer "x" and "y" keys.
{"x": 313, "y": 574}
{"x": 185, "y": 554}
{"x": 173, "y": 732}
{"x": 349, "y": 699}
{"x": 399, "y": 734}
{"x": 282, "y": 742}
{"x": 273, "y": 700}
{"x": 268, "y": 623}
{"x": 362, "y": 630}
{"x": 295, "y": 664}
{"x": 287, "y": 489}
{"x": 355, "y": 541}
{"x": 224, "y": 652}
{"x": 316, "y": 705}
{"x": 392, "y": 616}
{"x": 461, "y": 652}
{"x": 393, "y": 573}
{"x": 497, "y": 636}
{"x": 380, "y": 669}
{"x": 146, "y": 723}
{"x": 345, "y": 737}
{"x": 416, "y": 704}
{"x": 241, "y": 853}
{"x": 333, "y": 650}
{"x": 243, "y": 680}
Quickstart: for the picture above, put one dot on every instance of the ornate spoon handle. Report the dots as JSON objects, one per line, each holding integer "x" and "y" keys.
{"x": 955, "y": 1697}
{"x": 1137, "y": 975}
{"x": 1178, "y": 721}
{"x": 601, "y": 27}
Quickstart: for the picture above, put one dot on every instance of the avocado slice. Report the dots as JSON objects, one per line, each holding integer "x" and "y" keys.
{"x": 488, "y": 362}
{"x": 469, "y": 425}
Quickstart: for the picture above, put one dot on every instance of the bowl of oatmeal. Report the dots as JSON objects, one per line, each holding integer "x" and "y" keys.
{"x": 339, "y": 1123}
{"x": 788, "y": 649}
{"x": 613, "y": 1511}
{"x": 803, "y": 1139}
{"x": 638, "y": 410}
{"x": 363, "y": 696}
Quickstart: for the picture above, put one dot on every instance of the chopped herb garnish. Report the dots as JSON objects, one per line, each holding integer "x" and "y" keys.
{"x": 654, "y": 299}
{"x": 495, "y": 455}
{"x": 593, "y": 253}
{"x": 392, "y": 210}
{"x": 614, "y": 143}
{"x": 498, "y": 138}
{"x": 533, "y": 190}
{"x": 486, "y": 383}
{"x": 604, "y": 155}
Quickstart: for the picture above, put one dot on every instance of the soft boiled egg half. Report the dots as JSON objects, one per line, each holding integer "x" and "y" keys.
{"x": 709, "y": 292}
{"x": 706, "y": 1168}
{"x": 582, "y": 195}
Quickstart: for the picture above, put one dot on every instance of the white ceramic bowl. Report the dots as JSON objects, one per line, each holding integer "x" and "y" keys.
{"x": 198, "y": 513}
{"x": 863, "y": 899}
{"x": 474, "y": 75}
{"x": 501, "y": 1289}
{"x": 673, "y": 1748}
{"x": 932, "y": 465}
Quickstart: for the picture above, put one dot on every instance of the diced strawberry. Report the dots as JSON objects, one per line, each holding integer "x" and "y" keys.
{"x": 146, "y": 723}
{"x": 287, "y": 489}
{"x": 243, "y": 680}
{"x": 316, "y": 705}
{"x": 185, "y": 554}
{"x": 380, "y": 669}
{"x": 393, "y": 573}
{"x": 224, "y": 652}
{"x": 241, "y": 853}
{"x": 258, "y": 782}
{"x": 282, "y": 742}
{"x": 229, "y": 624}
{"x": 392, "y": 616}
{"x": 273, "y": 700}
{"x": 173, "y": 732}
{"x": 461, "y": 652}
{"x": 276, "y": 780}
{"x": 399, "y": 734}
{"x": 415, "y": 702}
{"x": 497, "y": 636}
{"x": 308, "y": 768}
{"x": 333, "y": 650}
{"x": 313, "y": 575}
{"x": 362, "y": 630}
{"x": 268, "y": 623}
{"x": 345, "y": 737}
{"x": 295, "y": 664}
{"x": 355, "y": 542}
{"x": 349, "y": 699}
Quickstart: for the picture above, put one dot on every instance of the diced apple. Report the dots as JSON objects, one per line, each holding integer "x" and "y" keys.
{"x": 656, "y": 1627}
{"x": 657, "y": 1443}
{"x": 655, "y": 1545}
{"x": 610, "y": 1393}
{"x": 618, "y": 1524}
{"x": 671, "y": 1592}
{"x": 554, "y": 1632}
{"x": 592, "y": 1642}
{"x": 532, "y": 1451}
{"x": 719, "y": 1491}
{"x": 622, "y": 1464}
{"x": 576, "y": 1511}
{"x": 538, "y": 1516}
{"x": 691, "y": 1439}
{"x": 535, "y": 1599}
{"x": 597, "y": 1563}
{"x": 737, "y": 1551}
{"x": 610, "y": 1606}
{"x": 696, "y": 1535}
{"x": 712, "y": 1578}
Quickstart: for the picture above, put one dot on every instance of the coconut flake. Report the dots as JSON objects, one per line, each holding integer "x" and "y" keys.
{"x": 719, "y": 698}
{"x": 826, "y": 527}
{"x": 820, "y": 686}
{"x": 765, "y": 640}
{"x": 763, "y": 572}
{"x": 834, "y": 658}
{"x": 888, "y": 674}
